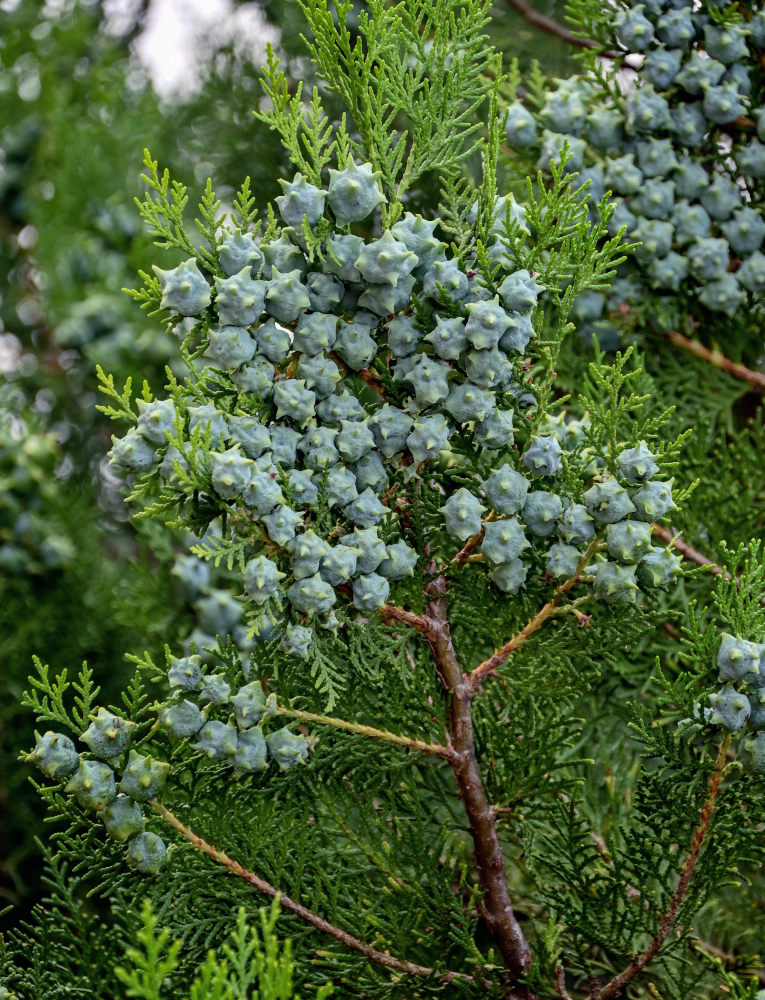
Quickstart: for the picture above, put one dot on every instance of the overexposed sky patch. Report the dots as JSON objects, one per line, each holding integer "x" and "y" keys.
{"x": 180, "y": 36}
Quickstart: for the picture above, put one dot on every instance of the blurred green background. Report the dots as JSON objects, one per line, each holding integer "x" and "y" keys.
{"x": 84, "y": 87}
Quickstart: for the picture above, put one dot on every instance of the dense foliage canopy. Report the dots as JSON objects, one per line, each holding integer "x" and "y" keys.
{"x": 414, "y": 547}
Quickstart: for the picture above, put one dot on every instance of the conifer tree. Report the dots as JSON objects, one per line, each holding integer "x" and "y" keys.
{"x": 489, "y": 733}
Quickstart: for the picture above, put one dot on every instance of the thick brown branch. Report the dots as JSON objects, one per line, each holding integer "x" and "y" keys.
{"x": 718, "y": 359}
{"x": 489, "y": 859}
{"x": 667, "y": 921}
{"x": 373, "y": 954}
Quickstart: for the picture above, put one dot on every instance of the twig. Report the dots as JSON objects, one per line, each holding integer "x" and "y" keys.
{"x": 489, "y": 859}
{"x": 725, "y": 956}
{"x": 407, "y": 617}
{"x": 667, "y": 921}
{"x": 717, "y": 358}
{"x": 551, "y": 26}
{"x": 560, "y": 982}
{"x": 366, "y": 375}
{"x": 672, "y": 632}
{"x": 633, "y": 895}
{"x": 687, "y": 551}
{"x": 356, "y": 727}
{"x": 549, "y": 610}
{"x": 379, "y": 957}
{"x": 691, "y": 554}
{"x": 464, "y": 553}
{"x": 490, "y": 665}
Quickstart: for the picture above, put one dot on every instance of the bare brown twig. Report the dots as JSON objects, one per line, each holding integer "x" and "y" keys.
{"x": 373, "y": 954}
{"x": 667, "y": 922}
{"x": 489, "y": 666}
{"x": 371, "y": 381}
{"x": 633, "y": 895}
{"x": 464, "y": 553}
{"x": 717, "y": 359}
{"x": 405, "y": 617}
{"x": 357, "y": 727}
{"x": 687, "y": 551}
{"x": 560, "y": 982}
{"x": 725, "y": 956}
{"x": 549, "y": 610}
{"x": 551, "y": 26}
{"x": 693, "y": 555}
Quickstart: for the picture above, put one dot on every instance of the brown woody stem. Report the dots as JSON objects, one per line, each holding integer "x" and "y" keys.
{"x": 633, "y": 895}
{"x": 373, "y": 954}
{"x": 667, "y": 921}
{"x": 549, "y": 610}
{"x": 371, "y": 381}
{"x": 718, "y": 359}
{"x": 725, "y": 956}
{"x": 560, "y": 982}
{"x": 405, "y": 617}
{"x": 686, "y": 551}
{"x": 489, "y": 859}
{"x": 497, "y": 659}
{"x": 551, "y": 26}
{"x": 692, "y": 555}
{"x": 356, "y": 727}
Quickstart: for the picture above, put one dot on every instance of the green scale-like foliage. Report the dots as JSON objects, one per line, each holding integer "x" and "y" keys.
{"x": 522, "y": 514}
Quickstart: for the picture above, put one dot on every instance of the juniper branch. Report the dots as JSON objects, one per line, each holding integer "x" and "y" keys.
{"x": 552, "y": 609}
{"x": 464, "y": 553}
{"x": 725, "y": 956}
{"x": 687, "y": 551}
{"x": 378, "y": 734}
{"x": 560, "y": 983}
{"x": 667, "y": 922}
{"x": 633, "y": 895}
{"x": 367, "y": 376}
{"x": 489, "y": 859}
{"x": 692, "y": 555}
{"x": 373, "y": 954}
{"x": 718, "y": 360}
{"x": 406, "y": 617}
{"x": 490, "y": 665}
{"x": 551, "y": 26}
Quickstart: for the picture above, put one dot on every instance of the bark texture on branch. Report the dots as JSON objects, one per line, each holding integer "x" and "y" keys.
{"x": 489, "y": 859}
{"x": 373, "y": 954}
{"x": 667, "y": 922}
